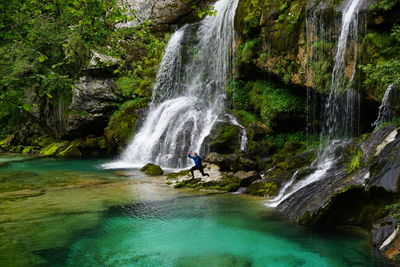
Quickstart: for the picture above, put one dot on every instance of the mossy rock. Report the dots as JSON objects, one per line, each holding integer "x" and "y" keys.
{"x": 152, "y": 169}
{"x": 54, "y": 148}
{"x": 16, "y": 149}
{"x": 42, "y": 141}
{"x": 226, "y": 184}
{"x": 224, "y": 138}
{"x": 6, "y": 143}
{"x": 260, "y": 149}
{"x": 71, "y": 151}
{"x": 175, "y": 175}
{"x": 28, "y": 149}
{"x": 256, "y": 131}
{"x": 121, "y": 126}
{"x": 289, "y": 149}
{"x": 263, "y": 188}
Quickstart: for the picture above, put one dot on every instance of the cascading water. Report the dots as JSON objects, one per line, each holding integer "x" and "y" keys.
{"x": 341, "y": 107}
{"x": 189, "y": 93}
{"x": 385, "y": 109}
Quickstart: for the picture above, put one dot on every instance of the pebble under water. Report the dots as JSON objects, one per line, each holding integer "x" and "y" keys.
{"x": 141, "y": 221}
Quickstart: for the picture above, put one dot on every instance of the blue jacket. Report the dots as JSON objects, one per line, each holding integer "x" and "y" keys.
{"x": 197, "y": 160}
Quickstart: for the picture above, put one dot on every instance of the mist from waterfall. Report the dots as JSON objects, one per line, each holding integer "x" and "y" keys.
{"x": 189, "y": 93}
{"x": 340, "y": 120}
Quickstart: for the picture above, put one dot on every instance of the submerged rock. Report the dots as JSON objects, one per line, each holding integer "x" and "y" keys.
{"x": 152, "y": 169}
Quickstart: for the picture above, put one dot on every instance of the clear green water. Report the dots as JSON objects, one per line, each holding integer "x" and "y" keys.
{"x": 156, "y": 225}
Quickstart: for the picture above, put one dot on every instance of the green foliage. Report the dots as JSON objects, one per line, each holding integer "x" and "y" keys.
{"x": 384, "y": 4}
{"x": 272, "y": 101}
{"x": 245, "y": 117}
{"x": 383, "y": 66}
{"x": 238, "y": 96}
{"x": 395, "y": 122}
{"x": 383, "y": 73}
{"x": 246, "y": 51}
{"x": 44, "y": 45}
{"x": 394, "y": 210}
{"x": 204, "y": 11}
{"x": 139, "y": 53}
{"x": 310, "y": 141}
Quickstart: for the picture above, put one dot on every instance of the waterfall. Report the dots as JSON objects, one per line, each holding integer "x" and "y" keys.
{"x": 189, "y": 93}
{"x": 343, "y": 101}
{"x": 243, "y": 132}
{"x": 342, "y": 106}
{"x": 384, "y": 113}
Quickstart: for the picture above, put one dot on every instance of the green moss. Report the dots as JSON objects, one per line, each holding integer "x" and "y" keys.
{"x": 71, "y": 151}
{"x": 122, "y": 123}
{"x": 16, "y": 149}
{"x": 224, "y": 139}
{"x": 247, "y": 51}
{"x": 265, "y": 189}
{"x": 356, "y": 160}
{"x": 395, "y": 122}
{"x": 274, "y": 103}
{"x": 42, "y": 141}
{"x": 174, "y": 175}
{"x": 152, "y": 169}
{"x": 6, "y": 142}
{"x": 28, "y": 149}
{"x": 53, "y": 148}
{"x": 226, "y": 184}
{"x": 245, "y": 117}
{"x": 310, "y": 141}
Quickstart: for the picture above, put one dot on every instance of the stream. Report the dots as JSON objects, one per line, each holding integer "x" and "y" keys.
{"x": 73, "y": 213}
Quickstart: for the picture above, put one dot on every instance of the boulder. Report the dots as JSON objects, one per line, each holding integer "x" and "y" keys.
{"x": 152, "y": 169}
{"x": 124, "y": 122}
{"x": 224, "y": 138}
{"x": 159, "y": 12}
{"x": 263, "y": 187}
{"x": 54, "y": 148}
{"x": 7, "y": 142}
{"x": 71, "y": 151}
{"x": 257, "y": 131}
{"x": 381, "y": 231}
{"x": 246, "y": 178}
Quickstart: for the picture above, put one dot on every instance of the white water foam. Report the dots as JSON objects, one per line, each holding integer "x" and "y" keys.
{"x": 189, "y": 94}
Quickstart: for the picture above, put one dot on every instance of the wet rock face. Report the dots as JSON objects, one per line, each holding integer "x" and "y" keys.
{"x": 224, "y": 138}
{"x": 91, "y": 106}
{"x": 381, "y": 231}
{"x": 371, "y": 182}
{"x": 231, "y": 162}
{"x": 386, "y": 168}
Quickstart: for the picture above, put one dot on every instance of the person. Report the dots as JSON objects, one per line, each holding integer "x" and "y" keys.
{"x": 197, "y": 161}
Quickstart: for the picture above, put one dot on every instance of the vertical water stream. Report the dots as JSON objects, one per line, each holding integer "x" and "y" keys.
{"x": 340, "y": 117}
{"x": 189, "y": 93}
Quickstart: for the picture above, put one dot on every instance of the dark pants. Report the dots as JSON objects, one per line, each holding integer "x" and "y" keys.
{"x": 198, "y": 168}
